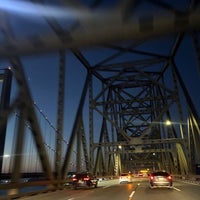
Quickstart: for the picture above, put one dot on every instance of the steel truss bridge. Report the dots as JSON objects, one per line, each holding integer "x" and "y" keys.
{"x": 133, "y": 55}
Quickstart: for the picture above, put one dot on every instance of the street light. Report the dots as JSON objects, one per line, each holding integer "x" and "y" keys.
{"x": 168, "y": 123}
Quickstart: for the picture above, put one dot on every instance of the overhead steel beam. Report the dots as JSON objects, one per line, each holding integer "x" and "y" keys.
{"x": 139, "y": 141}
{"x": 110, "y": 29}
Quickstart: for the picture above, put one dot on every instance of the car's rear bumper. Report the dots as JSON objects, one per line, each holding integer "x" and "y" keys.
{"x": 85, "y": 184}
{"x": 161, "y": 184}
{"x": 125, "y": 181}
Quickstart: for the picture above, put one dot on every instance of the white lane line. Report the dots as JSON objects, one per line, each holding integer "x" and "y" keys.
{"x": 131, "y": 195}
{"x": 106, "y": 187}
{"x": 177, "y": 189}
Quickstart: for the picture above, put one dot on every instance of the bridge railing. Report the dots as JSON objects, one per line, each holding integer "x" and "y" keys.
{"x": 190, "y": 178}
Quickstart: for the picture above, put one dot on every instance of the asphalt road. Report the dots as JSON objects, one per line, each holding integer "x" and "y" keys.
{"x": 112, "y": 190}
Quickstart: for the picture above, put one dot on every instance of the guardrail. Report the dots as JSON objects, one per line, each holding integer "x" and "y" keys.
{"x": 191, "y": 178}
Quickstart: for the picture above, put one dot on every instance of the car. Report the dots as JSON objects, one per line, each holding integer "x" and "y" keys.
{"x": 84, "y": 180}
{"x": 69, "y": 178}
{"x": 160, "y": 179}
{"x": 140, "y": 175}
{"x": 125, "y": 178}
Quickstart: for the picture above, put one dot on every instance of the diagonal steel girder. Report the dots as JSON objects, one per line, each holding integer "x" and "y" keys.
{"x": 27, "y": 103}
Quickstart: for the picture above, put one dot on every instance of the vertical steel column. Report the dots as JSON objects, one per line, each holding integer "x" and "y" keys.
{"x": 84, "y": 144}
{"x": 16, "y": 168}
{"x": 91, "y": 128}
{"x": 99, "y": 166}
{"x": 78, "y": 148}
{"x": 197, "y": 47}
{"x": 60, "y": 116}
{"x": 4, "y": 104}
{"x": 192, "y": 142}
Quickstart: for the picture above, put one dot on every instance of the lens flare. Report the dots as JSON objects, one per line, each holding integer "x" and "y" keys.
{"x": 38, "y": 10}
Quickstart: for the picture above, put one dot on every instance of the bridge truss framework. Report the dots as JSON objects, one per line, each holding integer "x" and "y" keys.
{"x": 130, "y": 91}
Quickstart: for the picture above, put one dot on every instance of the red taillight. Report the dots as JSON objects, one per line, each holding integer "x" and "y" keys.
{"x": 74, "y": 179}
{"x": 151, "y": 177}
{"x": 86, "y": 179}
{"x": 169, "y": 178}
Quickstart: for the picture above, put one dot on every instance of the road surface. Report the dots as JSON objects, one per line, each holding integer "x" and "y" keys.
{"x": 112, "y": 190}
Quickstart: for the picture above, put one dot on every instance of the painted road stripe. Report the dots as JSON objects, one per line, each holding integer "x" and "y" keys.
{"x": 131, "y": 195}
{"x": 106, "y": 186}
{"x": 176, "y": 189}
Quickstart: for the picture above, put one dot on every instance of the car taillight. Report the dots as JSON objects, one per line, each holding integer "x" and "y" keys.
{"x": 86, "y": 179}
{"x": 169, "y": 178}
{"x": 74, "y": 179}
{"x": 151, "y": 177}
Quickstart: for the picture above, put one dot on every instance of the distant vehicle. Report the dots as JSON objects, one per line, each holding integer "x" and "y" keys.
{"x": 69, "y": 178}
{"x": 160, "y": 179}
{"x": 125, "y": 178}
{"x": 140, "y": 175}
{"x": 84, "y": 180}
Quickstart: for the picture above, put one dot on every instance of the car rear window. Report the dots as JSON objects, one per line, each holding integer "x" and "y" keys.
{"x": 124, "y": 174}
{"x": 160, "y": 174}
{"x": 83, "y": 175}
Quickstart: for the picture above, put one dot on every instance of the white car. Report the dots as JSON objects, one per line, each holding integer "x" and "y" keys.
{"x": 125, "y": 178}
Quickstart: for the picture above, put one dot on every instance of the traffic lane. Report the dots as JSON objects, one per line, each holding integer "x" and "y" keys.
{"x": 137, "y": 190}
{"x": 116, "y": 191}
{"x": 180, "y": 190}
{"x": 106, "y": 190}
{"x": 188, "y": 190}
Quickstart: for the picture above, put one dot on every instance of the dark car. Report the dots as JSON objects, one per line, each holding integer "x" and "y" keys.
{"x": 69, "y": 179}
{"x": 84, "y": 180}
{"x": 160, "y": 179}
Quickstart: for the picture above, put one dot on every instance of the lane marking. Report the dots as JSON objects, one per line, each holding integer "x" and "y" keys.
{"x": 177, "y": 189}
{"x": 131, "y": 195}
{"x": 133, "y": 192}
{"x": 106, "y": 187}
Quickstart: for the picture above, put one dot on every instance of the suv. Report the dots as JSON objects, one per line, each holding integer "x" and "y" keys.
{"x": 84, "y": 180}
